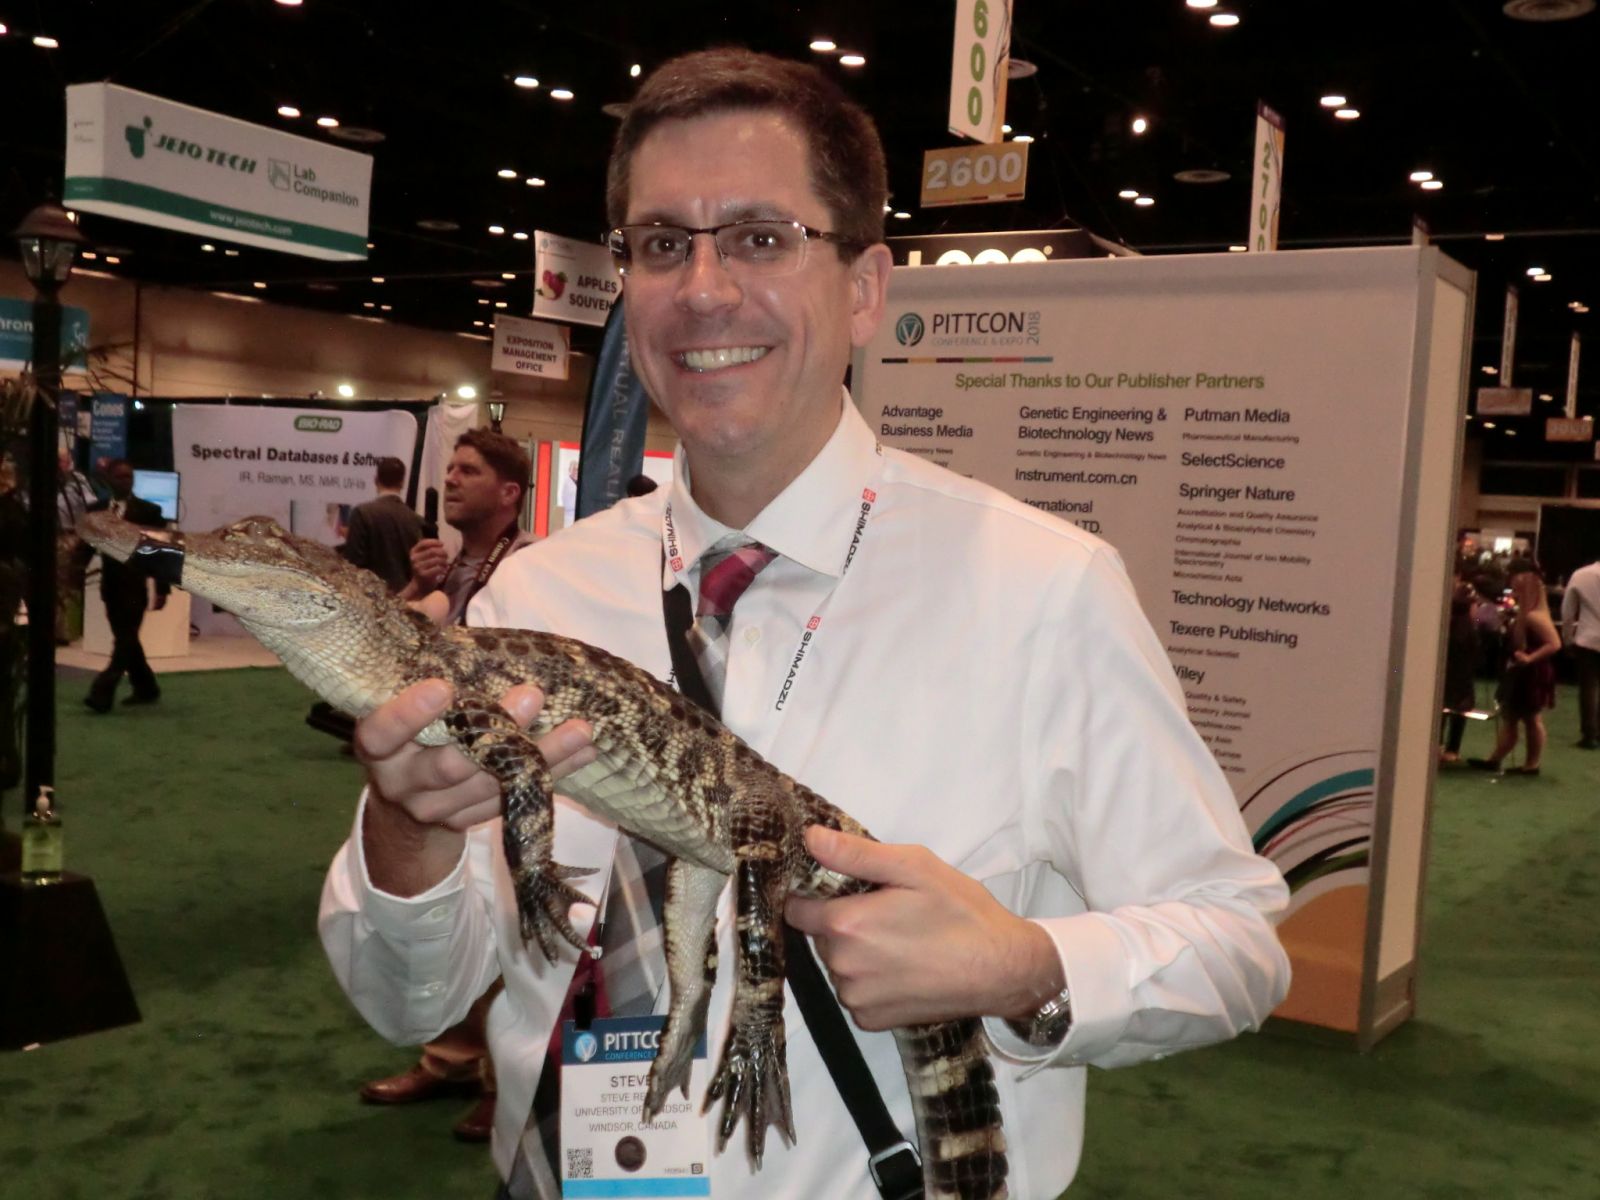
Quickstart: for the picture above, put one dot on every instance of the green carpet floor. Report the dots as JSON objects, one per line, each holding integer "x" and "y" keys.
{"x": 207, "y": 822}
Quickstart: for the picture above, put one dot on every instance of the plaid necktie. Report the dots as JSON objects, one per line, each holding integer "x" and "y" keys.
{"x": 633, "y": 964}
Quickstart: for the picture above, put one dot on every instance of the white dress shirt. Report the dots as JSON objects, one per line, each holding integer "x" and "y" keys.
{"x": 1580, "y": 607}
{"x": 980, "y": 680}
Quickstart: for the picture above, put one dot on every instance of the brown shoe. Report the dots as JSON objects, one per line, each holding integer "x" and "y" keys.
{"x": 418, "y": 1083}
{"x": 478, "y": 1124}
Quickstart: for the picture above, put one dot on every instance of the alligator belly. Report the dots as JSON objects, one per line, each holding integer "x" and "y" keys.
{"x": 624, "y": 788}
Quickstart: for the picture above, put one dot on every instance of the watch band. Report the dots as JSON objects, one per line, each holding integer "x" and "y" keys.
{"x": 1049, "y": 1024}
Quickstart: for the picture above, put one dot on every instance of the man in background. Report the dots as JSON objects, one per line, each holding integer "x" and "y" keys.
{"x": 73, "y": 498}
{"x": 383, "y": 530}
{"x": 1580, "y": 619}
{"x": 124, "y": 591}
{"x": 483, "y": 490}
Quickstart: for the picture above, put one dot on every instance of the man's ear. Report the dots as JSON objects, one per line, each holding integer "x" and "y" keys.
{"x": 870, "y": 282}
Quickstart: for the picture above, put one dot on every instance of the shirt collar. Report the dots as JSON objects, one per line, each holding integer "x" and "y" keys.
{"x": 811, "y": 522}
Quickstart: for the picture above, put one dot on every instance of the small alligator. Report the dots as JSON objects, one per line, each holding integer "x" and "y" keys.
{"x": 667, "y": 772}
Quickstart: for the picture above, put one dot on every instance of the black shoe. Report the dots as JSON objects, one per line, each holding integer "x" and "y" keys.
{"x": 1483, "y": 764}
{"x": 148, "y": 698}
{"x": 100, "y": 704}
{"x": 1589, "y": 744}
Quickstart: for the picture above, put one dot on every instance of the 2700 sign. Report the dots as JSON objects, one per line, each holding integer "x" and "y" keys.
{"x": 984, "y": 174}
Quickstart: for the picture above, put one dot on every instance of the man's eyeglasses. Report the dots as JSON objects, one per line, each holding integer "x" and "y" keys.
{"x": 746, "y": 247}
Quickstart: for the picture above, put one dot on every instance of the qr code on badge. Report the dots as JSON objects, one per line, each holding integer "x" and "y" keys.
{"x": 580, "y": 1163}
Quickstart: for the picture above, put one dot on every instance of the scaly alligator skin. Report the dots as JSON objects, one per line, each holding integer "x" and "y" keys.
{"x": 667, "y": 772}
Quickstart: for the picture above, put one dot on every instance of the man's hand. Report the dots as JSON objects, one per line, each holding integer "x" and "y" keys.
{"x": 930, "y": 945}
{"x": 429, "y": 561}
{"x": 423, "y": 798}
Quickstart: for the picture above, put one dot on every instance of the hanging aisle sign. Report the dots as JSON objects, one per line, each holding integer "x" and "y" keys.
{"x": 573, "y": 280}
{"x": 145, "y": 159}
{"x": 1569, "y": 429}
{"x": 985, "y": 174}
{"x": 1572, "y": 375}
{"x": 1268, "y": 186}
{"x": 1508, "y": 338}
{"x": 978, "y": 69}
{"x": 524, "y": 347}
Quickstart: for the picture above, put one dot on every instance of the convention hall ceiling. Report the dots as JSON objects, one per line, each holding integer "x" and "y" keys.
{"x": 1502, "y": 111}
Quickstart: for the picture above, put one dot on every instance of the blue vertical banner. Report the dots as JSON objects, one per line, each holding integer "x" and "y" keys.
{"x": 16, "y": 333}
{"x": 108, "y": 428}
{"x": 613, "y": 424}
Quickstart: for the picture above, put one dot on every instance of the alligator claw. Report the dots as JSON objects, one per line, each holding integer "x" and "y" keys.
{"x": 754, "y": 1075}
{"x": 671, "y": 1067}
{"x": 543, "y": 900}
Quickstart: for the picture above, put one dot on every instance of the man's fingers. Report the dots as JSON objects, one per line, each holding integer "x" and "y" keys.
{"x": 523, "y": 702}
{"x": 862, "y": 858}
{"x": 392, "y": 724}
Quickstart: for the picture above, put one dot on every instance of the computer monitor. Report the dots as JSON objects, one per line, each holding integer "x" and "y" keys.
{"x": 160, "y": 488}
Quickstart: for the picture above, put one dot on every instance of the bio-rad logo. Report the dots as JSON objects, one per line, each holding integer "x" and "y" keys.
{"x": 309, "y": 424}
{"x": 1001, "y": 327}
{"x": 908, "y": 329}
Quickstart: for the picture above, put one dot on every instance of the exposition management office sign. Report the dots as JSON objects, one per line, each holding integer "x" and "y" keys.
{"x": 145, "y": 159}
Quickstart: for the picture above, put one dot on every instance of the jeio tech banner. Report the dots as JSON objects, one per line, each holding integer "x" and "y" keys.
{"x": 146, "y": 159}
{"x": 1235, "y": 429}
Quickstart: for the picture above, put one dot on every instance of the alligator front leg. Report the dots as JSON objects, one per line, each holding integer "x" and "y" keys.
{"x": 691, "y": 920}
{"x": 489, "y": 736}
{"x": 754, "y": 1073}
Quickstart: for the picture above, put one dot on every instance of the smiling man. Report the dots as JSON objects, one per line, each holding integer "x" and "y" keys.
{"x": 969, "y": 678}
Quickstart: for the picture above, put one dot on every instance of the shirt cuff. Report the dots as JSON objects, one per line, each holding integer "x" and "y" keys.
{"x": 434, "y": 909}
{"x": 1095, "y": 967}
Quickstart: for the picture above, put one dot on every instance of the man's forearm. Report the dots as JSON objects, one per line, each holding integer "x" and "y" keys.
{"x": 405, "y": 857}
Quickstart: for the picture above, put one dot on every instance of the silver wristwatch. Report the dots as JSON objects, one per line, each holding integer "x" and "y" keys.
{"x": 1050, "y": 1024}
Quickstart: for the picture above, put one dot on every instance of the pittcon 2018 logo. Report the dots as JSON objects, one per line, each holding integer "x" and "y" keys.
{"x": 908, "y": 329}
{"x": 585, "y": 1046}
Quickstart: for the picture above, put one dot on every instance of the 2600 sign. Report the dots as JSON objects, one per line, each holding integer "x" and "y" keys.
{"x": 984, "y": 174}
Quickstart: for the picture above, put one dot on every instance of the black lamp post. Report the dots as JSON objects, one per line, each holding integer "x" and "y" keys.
{"x": 49, "y": 241}
{"x": 497, "y": 412}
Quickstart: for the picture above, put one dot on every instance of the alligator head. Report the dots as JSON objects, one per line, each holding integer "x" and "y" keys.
{"x": 254, "y": 568}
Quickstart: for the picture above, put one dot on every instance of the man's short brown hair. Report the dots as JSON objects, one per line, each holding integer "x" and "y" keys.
{"x": 391, "y": 473}
{"x": 846, "y": 155}
{"x": 505, "y": 458}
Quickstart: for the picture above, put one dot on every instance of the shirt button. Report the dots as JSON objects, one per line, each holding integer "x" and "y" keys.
{"x": 752, "y": 636}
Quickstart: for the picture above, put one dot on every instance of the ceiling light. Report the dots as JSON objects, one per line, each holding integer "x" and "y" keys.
{"x": 259, "y": 285}
{"x": 1432, "y": 185}
{"x": 1347, "y": 114}
{"x": 1542, "y": 277}
{"x": 1022, "y": 137}
{"x": 902, "y": 216}
{"x": 635, "y": 71}
{"x": 290, "y": 3}
{"x": 1201, "y": 3}
{"x": 506, "y": 173}
{"x": 1488, "y": 424}
{"x": 1490, "y": 370}
{"x": 533, "y": 181}
{"x": 1582, "y": 308}
{"x": 508, "y": 274}
{"x": 371, "y": 246}
{"x": 288, "y": 110}
{"x": 499, "y": 303}
{"x": 207, "y": 247}
{"x": 114, "y": 260}
{"x": 824, "y": 46}
{"x": 1140, "y": 124}
{"x": 561, "y": 93}
{"x": 231, "y": 253}
{"x": 1421, "y": 176}
{"x": 1128, "y": 194}
{"x": 377, "y": 279}
{"x": 328, "y": 122}
{"x": 1546, "y": 396}
{"x": 1535, "y": 270}
{"x": 852, "y": 60}
{"x": 525, "y": 81}
{"x": 1511, "y": 433}
{"x": 519, "y": 236}
{"x": 344, "y": 389}
{"x": 385, "y": 308}
{"x": 369, "y": 304}
{"x": 1201, "y": 175}
{"x": 90, "y": 255}
{"x": 1333, "y": 100}
{"x": 478, "y": 324}
{"x": 3, "y": 30}
{"x": 1237, "y": 249}
{"x": 497, "y": 230}
{"x": 1145, "y": 201}
{"x": 46, "y": 43}
{"x": 1494, "y": 237}
{"x": 1005, "y": 129}
{"x": 467, "y": 392}
{"x": 1224, "y": 20}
